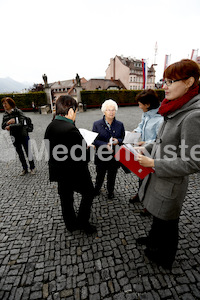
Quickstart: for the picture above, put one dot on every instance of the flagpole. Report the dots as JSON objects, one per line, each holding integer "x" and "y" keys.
{"x": 143, "y": 71}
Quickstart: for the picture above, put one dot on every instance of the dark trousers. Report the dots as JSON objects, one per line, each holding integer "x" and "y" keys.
{"x": 163, "y": 239}
{"x": 66, "y": 189}
{"x": 140, "y": 183}
{"x": 18, "y": 146}
{"x": 101, "y": 169}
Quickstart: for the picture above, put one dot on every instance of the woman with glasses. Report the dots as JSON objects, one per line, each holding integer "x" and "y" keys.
{"x": 174, "y": 155}
{"x": 110, "y": 133}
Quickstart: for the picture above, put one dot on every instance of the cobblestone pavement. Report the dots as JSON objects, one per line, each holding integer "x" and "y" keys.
{"x": 40, "y": 259}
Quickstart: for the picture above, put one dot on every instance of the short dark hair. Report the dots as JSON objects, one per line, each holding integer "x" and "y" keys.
{"x": 10, "y": 101}
{"x": 64, "y": 103}
{"x": 148, "y": 97}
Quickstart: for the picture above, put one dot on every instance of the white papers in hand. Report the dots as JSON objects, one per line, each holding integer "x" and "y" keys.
{"x": 132, "y": 149}
{"x": 131, "y": 137}
{"x": 111, "y": 142}
{"x": 89, "y": 136}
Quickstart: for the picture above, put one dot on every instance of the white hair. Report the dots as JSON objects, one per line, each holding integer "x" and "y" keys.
{"x": 107, "y": 103}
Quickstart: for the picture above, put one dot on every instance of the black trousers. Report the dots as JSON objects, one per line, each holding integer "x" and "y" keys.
{"x": 111, "y": 169}
{"x": 66, "y": 189}
{"x": 18, "y": 146}
{"x": 163, "y": 239}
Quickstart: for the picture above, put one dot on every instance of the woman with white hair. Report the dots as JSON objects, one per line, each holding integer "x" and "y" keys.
{"x": 110, "y": 133}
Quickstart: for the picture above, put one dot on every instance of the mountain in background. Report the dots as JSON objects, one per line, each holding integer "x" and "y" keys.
{"x": 8, "y": 85}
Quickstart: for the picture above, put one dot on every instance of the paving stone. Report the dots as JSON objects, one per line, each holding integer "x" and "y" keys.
{"x": 40, "y": 259}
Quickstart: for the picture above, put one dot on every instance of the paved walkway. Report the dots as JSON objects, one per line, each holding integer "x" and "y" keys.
{"x": 40, "y": 259}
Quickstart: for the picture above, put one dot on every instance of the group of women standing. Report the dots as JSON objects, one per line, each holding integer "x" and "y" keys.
{"x": 170, "y": 133}
{"x": 174, "y": 156}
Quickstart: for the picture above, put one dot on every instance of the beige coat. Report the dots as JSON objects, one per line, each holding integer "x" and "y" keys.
{"x": 163, "y": 192}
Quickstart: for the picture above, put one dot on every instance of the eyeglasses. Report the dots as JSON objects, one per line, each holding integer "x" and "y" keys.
{"x": 110, "y": 110}
{"x": 169, "y": 82}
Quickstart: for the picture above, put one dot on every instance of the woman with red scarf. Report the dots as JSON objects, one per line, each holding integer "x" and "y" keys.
{"x": 175, "y": 154}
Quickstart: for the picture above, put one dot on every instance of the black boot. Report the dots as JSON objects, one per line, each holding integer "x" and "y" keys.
{"x": 134, "y": 199}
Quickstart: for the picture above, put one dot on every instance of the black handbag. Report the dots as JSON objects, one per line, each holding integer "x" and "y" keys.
{"x": 28, "y": 124}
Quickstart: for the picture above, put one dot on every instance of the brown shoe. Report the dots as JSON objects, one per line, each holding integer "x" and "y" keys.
{"x": 134, "y": 199}
{"x": 24, "y": 172}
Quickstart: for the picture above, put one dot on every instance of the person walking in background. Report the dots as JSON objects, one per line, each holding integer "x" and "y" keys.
{"x": 148, "y": 127}
{"x": 13, "y": 121}
{"x": 110, "y": 133}
{"x": 33, "y": 106}
{"x": 163, "y": 192}
{"x": 68, "y": 167}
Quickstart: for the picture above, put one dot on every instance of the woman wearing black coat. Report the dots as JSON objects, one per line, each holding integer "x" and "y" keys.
{"x": 13, "y": 121}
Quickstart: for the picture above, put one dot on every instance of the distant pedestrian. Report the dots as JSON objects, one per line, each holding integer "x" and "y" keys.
{"x": 174, "y": 156}
{"x": 110, "y": 133}
{"x": 13, "y": 121}
{"x": 34, "y": 107}
{"x": 68, "y": 167}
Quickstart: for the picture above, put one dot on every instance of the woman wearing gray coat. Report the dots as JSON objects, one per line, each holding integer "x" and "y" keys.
{"x": 174, "y": 155}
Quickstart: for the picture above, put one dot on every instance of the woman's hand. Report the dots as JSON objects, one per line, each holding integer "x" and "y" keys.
{"x": 115, "y": 141}
{"x": 109, "y": 148}
{"x": 7, "y": 128}
{"x": 11, "y": 121}
{"x": 145, "y": 161}
{"x": 140, "y": 143}
{"x": 139, "y": 150}
{"x": 91, "y": 146}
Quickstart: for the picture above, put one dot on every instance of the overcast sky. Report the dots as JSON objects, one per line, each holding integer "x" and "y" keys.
{"x": 62, "y": 37}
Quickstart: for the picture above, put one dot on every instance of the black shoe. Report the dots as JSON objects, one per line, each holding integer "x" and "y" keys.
{"x": 88, "y": 228}
{"x": 111, "y": 195}
{"x": 72, "y": 228}
{"x": 166, "y": 265}
{"x": 154, "y": 257}
{"x": 144, "y": 212}
{"x": 142, "y": 240}
{"x": 134, "y": 199}
{"x": 96, "y": 193}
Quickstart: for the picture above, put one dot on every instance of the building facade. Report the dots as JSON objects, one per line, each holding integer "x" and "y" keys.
{"x": 129, "y": 71}
{"x": 102, "y": 84}
{"x": 69, "y": 87}
{"x": 66, "y": 87}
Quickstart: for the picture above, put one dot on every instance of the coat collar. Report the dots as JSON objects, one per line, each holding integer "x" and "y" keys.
{"x": 194, "y": 103}
{"x": 104, "y": 120}
{"x": 64, "y": 119}
{"x": 151, "y": 112}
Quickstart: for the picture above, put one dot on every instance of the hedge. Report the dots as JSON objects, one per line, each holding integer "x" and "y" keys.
{"x": 24, "y": 101}
{"x": 122, "y": 97}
